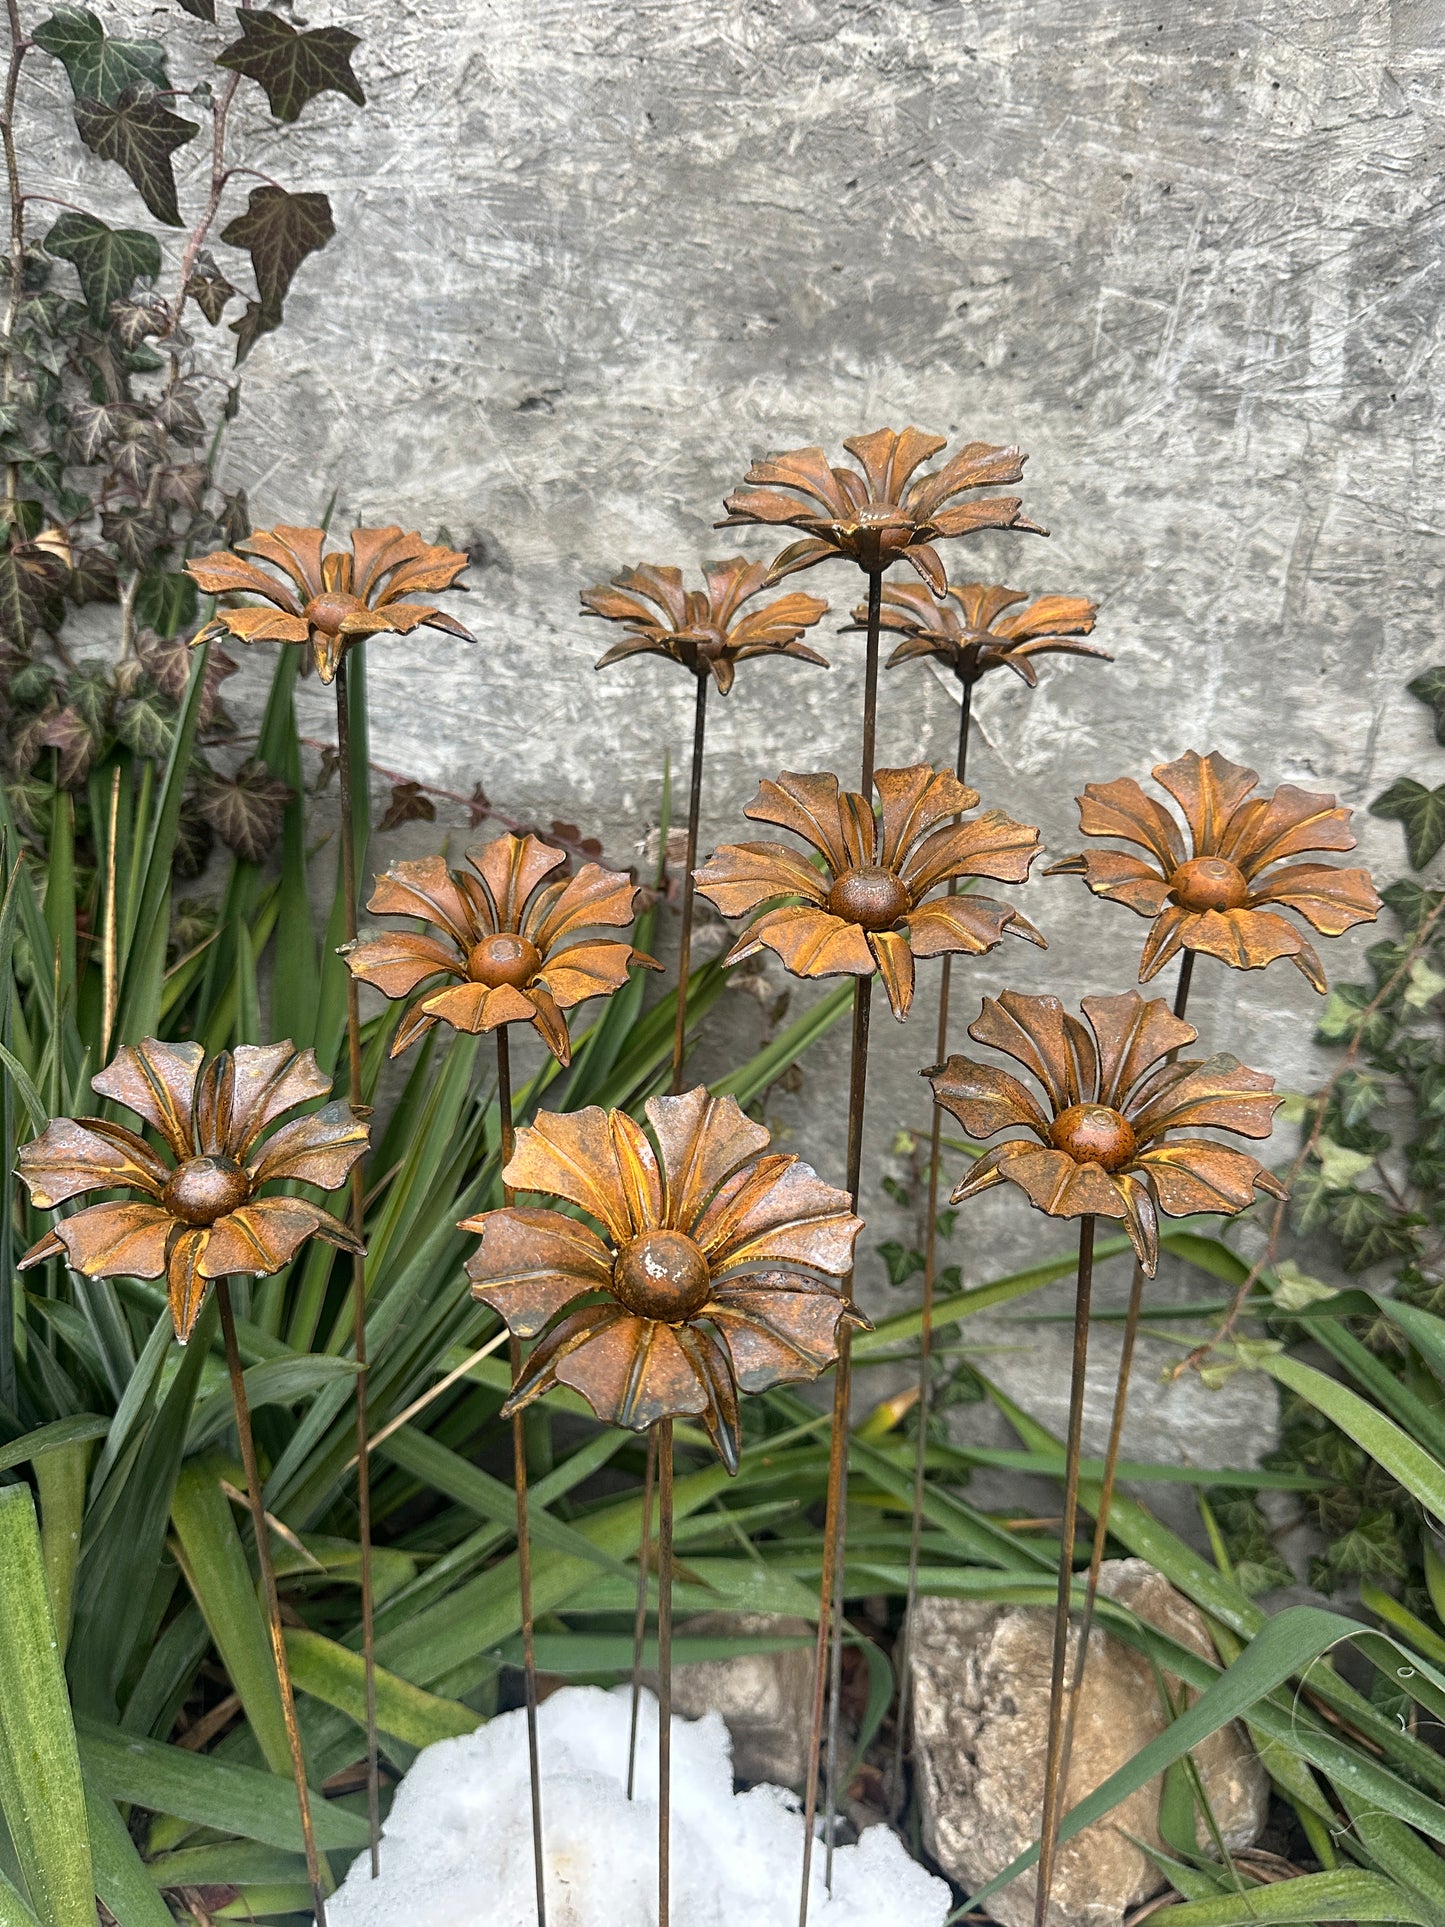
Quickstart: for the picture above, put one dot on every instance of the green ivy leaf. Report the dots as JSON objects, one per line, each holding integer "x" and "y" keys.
{"x": 1371, "y": 1229}
{"x": 109, "y": 261}
{"x": 166, "y": 602}
{"x": 139, "y": 134}
{"x": 1429, "y": 688}
{"x": 146, "y": 725}
{"x": 244, "y": 810}
{"x": 278, "y": 231}
{"x": 1410, "y": 901}
{"x": 292, "y": 66}
{"x": 1421, "y": 812}
{"x": 902, "y": 1262}
{"x": 98, "y": 67}
{"x": 199, "y": 9}
{"x": 29, "y": 581}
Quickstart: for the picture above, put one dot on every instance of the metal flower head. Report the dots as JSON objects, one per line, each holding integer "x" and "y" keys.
{"x": 1220, "y": 891}
{"x": 200, "y": 1216}
{"x": 867, "y": 906}
{"x": 511, "y": 948}
{"x": 712, "y": 1261}
{"x": 1102, "y": 1140}
{"x": 880, "y": 512}
{"x": 978, "y": 627}
{"x": 329, "y": 601}
{"x": 703, "y": 629}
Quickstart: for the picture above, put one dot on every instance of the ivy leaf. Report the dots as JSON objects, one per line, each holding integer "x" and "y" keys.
{"x": 199, "y": 9}
{"x": 165, "y": 602}
{"x": 244, "y": 810}
{"x": 1410, "y": 901}
{"x": 902, "y": 1262}
{"x": 292, "y": 66}
{"x": 139, "y": 134}
{"x": 210, "y": 290}
{"x": 167, "y": 661}
{"x": 1420, "y": 811}
{"x": 98, "y": 67}
{"x": 29, "y": 581}
{"x": 1371, "y": 1230}
{"x": 76, "y": 743}
{"x": 146, "y": 725}
{"x": 1429, "y": 688}
{"x": 109, "y": 261}
{"x": 278, "y": 231}
{"x": 409, "y": 804}
{"x": 1339, "y": 1166}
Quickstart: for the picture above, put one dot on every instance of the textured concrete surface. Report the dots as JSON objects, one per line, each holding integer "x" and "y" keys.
{"x": 593, "y": 257}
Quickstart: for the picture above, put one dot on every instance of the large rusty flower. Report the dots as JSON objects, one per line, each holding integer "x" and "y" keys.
{"x": 201, "y": 1216}
{"x": 712, "y": 1263}
{"x": 978, "y": 627}
{"x": 1211, "y": 892}
{"x": 868, "y": 907}
{"x": 704, "y": 629}
{"x": 1114, "y": 1093}
{"x": 511, "y": 948}
{"x": 874, "y": 514}
{"x": 329, "y": 601}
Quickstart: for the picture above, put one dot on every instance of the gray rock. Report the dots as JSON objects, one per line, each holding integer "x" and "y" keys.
{"x": 980, "y": 1714}
{"x": 765, "y": 1698}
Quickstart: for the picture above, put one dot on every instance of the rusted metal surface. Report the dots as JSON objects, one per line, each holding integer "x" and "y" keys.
{"x": 978, "y": 626}
{"x": 709, "y": 630}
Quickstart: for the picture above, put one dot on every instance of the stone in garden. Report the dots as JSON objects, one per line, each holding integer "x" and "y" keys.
{"x": 980, "y": 1682}
{"x": 765, "y": 1698}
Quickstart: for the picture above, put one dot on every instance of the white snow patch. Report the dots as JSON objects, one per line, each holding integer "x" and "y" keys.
{"x": 457, "y": 1850}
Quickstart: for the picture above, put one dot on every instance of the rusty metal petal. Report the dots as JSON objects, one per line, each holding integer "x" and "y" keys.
{"x": 426, "y": 888}
{"x": 531, "y": 1264}
{"x": 778, "y": 1212}
{"x": 1221, "y": 1093}
{"x": 1209, "y": 789}
{"x": 511, "y": 867}
{"x": 186, "y": 1285}
{"x": 259, "y": 1237}
{"x": 597, "y": 1160}
{"x": 810, "y": 943}
{"x": 991, "y": 845}
{"x": 1196, "y": 1174}
{"x": 157, "y": 1081}
{"x": 894, "y": 958}
{"x": 266, "y": 1081}
{"x": 738, "y": 877}
{"x": 985, "y": 1099}
{"x": 701, "y": 1140}
{"x": 808, "y": 805}
{"x": 1331, "y": 899}
{"x": 116, "y": 1240}
{"x": 75, "y": 1155}
{"x": 395, "y": 965}
{"x": 318, "y": 1149}
{"x": 778, "y": 1327}
{"x": 593, "y": 897}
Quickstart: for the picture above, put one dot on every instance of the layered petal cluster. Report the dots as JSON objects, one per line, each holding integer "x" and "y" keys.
{"x": 978, "y": 626}
{"x": 199, "y": 1213}
{"x": 329, "y": 601}
{"x": 508, "y": 947}
{"x": 1101, "y": 1139}
{"x": 881, "y": 511}
{"x": 1220, "y": 883}
{"x": 704, "y": 1262}
{"x": 707, "y": 630}
{"x": 867, "y": 902}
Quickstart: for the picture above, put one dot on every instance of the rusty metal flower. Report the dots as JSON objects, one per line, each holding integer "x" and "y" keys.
{"x": 329, "y": 601}
{"x": 1114, "y": 1093}
{"x": 874, "y": 514}
{"x": 712, "y": 1264}
{"x": 1212, "y": 892}
{"x": 868, "y": 907}
{"x": 511, "y": 948}
{"x": 978, "y": 627}
{"x": 201, "y": 1216}
{"x": 704, "y": 629}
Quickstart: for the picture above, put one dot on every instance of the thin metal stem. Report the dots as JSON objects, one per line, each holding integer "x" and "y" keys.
{"x": 684, "y": 941}
{"x": 358, "y": 1268}
{"x": 925, "y": 1337}
{"x": 524, "y": 1536}
{"x": 1111, "y": 1457}
{"x": 639, "y": 1623}
{"x": 257, "y": 1501}
{"x": 870, "y": 679}
{"x": 830, "y": 1593}
{"x": 664, "y": 1669}
{"x": 1053, "y": 1782}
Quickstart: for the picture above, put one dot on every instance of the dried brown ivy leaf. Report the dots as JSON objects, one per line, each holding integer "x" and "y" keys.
{"x": 278, "y": 231}
{"x": 293, "y": 66}
{"x": 409, "y": 804}
{"x": 139, "y": 134}
{"x": 244, "y": 810}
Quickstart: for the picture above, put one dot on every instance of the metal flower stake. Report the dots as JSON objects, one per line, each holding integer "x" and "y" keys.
{"x": 871, "y": 906}
{"x": 198, "y": 1214}
{"x": 330, "y": 603}
{"x": 1217, "y": 884}
{"x": 1103, "y": 1140}
{"x": 976, "y": 627}
{"x": 707, "y": 631}
{"x": 510, "y": 947}
{"x": 708, "y": 1266}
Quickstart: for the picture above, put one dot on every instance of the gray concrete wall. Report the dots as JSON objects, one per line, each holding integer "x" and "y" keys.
{"x": 593, "y": 257}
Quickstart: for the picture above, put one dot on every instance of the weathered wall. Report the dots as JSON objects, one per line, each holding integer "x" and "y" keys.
{"x": 594, "y": 256}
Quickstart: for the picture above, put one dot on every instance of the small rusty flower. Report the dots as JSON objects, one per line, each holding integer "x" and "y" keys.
{"x": 978, "y": 627}
{"x": 1212, "y": 892}
{"x": 712, "y": 1264}
{"x": 329, "y": 601}
{"x": 200, "y": 1217}
{"x": 868, "y": 906}
{"x": 1113, "y": 1093}
{"x": 704, "y": 629}
{"x": 874, "y": 514}
{"x": 511, "y": 947}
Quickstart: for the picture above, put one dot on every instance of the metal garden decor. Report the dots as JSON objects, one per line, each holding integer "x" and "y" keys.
{"x": 665, "y": 1266}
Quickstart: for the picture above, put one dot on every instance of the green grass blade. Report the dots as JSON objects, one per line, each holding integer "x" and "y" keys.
{"x": 1391, "y": 1447}
{"x": 337, "y": 1676}
{"x": 60, "y": 1477}
{"x": 1349, "y": 1893}
{"x": 121, "y": 1879}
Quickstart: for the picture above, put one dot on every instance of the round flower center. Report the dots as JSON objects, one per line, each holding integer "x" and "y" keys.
{"x": 870, "y": 896}
{"x": 504, "y": 959}
{"x": 662, "y": 1275}
{"x": 1093, "y": 1134}
{"x": 204, "y": 1189}
{"x": 328, "y": 611}
{"x": 1209, "y": 883}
